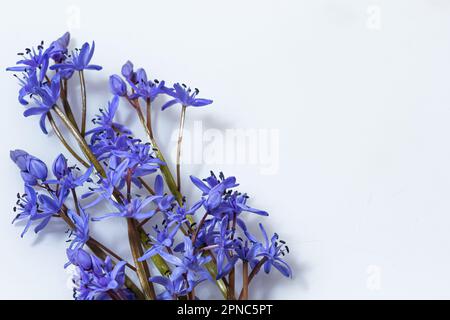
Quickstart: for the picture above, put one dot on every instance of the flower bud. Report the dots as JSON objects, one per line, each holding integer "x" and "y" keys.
{"x": 19, "y": 157}
{"x": 127, "y": 70}
{"x": 37, "y": 168}
{"x": 80, "y": 258}
{"x": 117, "y": 85}
{"x": 29, "y": 179}
{"x": 60, "y": 166}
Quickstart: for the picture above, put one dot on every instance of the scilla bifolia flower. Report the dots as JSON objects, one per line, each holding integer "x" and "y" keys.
{"x": 201, "y": 238}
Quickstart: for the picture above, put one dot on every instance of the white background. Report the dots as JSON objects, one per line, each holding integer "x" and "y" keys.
{"x": 358, "y": 91}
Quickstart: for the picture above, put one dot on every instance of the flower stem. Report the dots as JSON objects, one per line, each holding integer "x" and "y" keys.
{"x": 142, "y": 268}
{"x": 143, "y": 271}
{"x": 83, "y": 103}
{"x": 110, "y": 252}
{"x": 254, "y": 272}
{"x": 63, "y": 140}
{"x": 180, "y": 140}
{"x": 149, "y": 118}
{"x": 245, "y": 281}
{"x": 66, "y": 104}
{"x": 83, "y": 145}
{"x": 75, "y": 200}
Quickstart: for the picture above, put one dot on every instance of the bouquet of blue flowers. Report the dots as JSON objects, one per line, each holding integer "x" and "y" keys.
{"x": 190, "y": 243}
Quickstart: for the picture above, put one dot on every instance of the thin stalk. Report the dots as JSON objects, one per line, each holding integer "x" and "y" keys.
{"x": 143, "y": 271}
{"x": 146, "y": 186}
{"x": 83, "y": 103}
{"x": 65, "y": 101}
{"x": 149, "y": 118}
{"x": 252, "y": 275}
{"x": 180, "y": 140}
{"x": 142, "y": 267}
{"x": 231, "y": 284}
{"x": 75, "y": 200}
{"x": 168, "y": 177}
{"x": 245, "y": 282}
{"x": 63, "y": 141}
{"x": 111, "y": 253}
{"x": 83, "y": 145}
{"x": 114, "y": 295}
{"x": 232, "y": 274}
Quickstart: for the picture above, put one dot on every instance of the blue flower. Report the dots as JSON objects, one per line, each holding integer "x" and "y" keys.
{"x": 49, "y": 95}
{"x": 127, "y": 71}
{"x": 33, "y": 61}
{"x": 163, "y": 201}
{"x": 144, "y": 88}
{"x": 234, "y": 204}
{"x": 79, "y": 257}
{"x": 30, "y": 85}
{"x": 96, "y": 277}
{"x": 81, "y": 231}
{"x": 135, "y": 208}
{"x": 273, "y": 250}
{"x": 106, "y": 186}
{"x": 163, "y": 240}
{"x": 179, "y": 215}
{"x": 66, "y": 178}
{"x": 26, "y": 208}
{"x": 174, "y": 287}
{"x": 184, "y": 96}
{"x": 214, "y": 189}
{"x": 190, "y": 265}
{"x": 58, "y": 48}
{"x": 117, "y": 85}
{"x": 79, "y": 60}
{"x": 37, "y": 208}
{"x": 247, "y": 251}
{"x": 141, "y": 160}
{"x": 31, "y": 168}
{"x": 222, "y": 243}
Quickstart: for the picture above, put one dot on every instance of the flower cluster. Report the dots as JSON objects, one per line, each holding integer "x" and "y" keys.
{"x": 194, "y": 241}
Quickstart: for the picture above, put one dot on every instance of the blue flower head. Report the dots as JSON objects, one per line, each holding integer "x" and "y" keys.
{"x": 46, "y": 98}
{"x": 273, "y": 250}
{"x": 79, "y": 60}
{"x": 31, "y": 168}
{"x": 81, "y": 231}
{"x": 185, "y": 96}
{"x": 96, "y": 277}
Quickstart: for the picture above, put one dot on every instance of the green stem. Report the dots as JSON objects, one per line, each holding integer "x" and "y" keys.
{"x": 63, "y": 141}
{"x": 180, "y": 140}
{"x": 82, "y": 143}
{"x": 142, "y": 268}
{"x": 83, "y": 102}
{"x": 245, "y": 282}
{"x": 66, "y": 105}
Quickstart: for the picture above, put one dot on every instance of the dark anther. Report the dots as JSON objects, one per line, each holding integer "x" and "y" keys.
{"x": 287, "y": 249}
